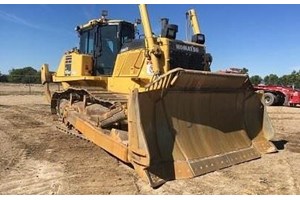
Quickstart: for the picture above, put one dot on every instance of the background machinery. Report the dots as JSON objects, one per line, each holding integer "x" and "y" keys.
{"x": 153, "y": 103}
{"x": 276, "y": 95}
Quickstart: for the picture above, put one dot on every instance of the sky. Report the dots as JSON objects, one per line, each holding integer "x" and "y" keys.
{"x": 262, "y": 38}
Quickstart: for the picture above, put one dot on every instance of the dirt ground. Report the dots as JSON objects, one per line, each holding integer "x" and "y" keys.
{"x": 35, "y": 158}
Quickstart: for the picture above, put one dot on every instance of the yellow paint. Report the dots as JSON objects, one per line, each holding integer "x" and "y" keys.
{"x": 194, "y": 21}
{"x": 81, "y": 65}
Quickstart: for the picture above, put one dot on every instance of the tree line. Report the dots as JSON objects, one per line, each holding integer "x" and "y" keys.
{"x": 31, "y": 75}
{"x": 22, "y": 75}
{"x": 292, "y": 79}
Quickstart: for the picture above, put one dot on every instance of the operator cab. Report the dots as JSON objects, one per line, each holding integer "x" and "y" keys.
{"x": 103, "y": 39}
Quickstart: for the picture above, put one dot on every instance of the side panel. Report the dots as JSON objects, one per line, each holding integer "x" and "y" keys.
{"x": 76, "y": 65}
{"x": 129, "y": 63}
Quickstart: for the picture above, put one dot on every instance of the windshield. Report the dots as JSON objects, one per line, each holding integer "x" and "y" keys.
{"x": 104, "y": 44}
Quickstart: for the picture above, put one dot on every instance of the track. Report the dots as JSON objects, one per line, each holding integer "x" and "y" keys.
{"x": 72, "y": 132}
{"x": 105, "y": 95}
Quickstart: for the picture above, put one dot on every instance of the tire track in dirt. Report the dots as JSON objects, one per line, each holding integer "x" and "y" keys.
{"x": 35, "y": 178}
{"x": 54, "y": 163}
{"x": 293, "y": 144}
{"x": 23, "y": 173}
{"x": 286, "y": 121}
{"x": 98, "y": 172}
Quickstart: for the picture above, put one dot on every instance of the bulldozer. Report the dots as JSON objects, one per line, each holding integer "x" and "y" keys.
{"x": 153, "y": 103}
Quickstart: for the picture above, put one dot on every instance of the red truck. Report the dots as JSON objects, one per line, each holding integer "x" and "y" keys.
{"x": 275, "y": 95}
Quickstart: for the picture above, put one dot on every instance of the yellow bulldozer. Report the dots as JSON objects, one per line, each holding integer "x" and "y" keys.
{"x": 153, "y": 102}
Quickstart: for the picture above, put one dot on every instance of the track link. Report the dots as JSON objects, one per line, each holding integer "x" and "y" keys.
{"x": 62, "y": 128}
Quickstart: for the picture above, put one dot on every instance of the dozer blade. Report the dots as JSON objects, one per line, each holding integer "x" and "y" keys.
{"x": 190, "y": 123}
